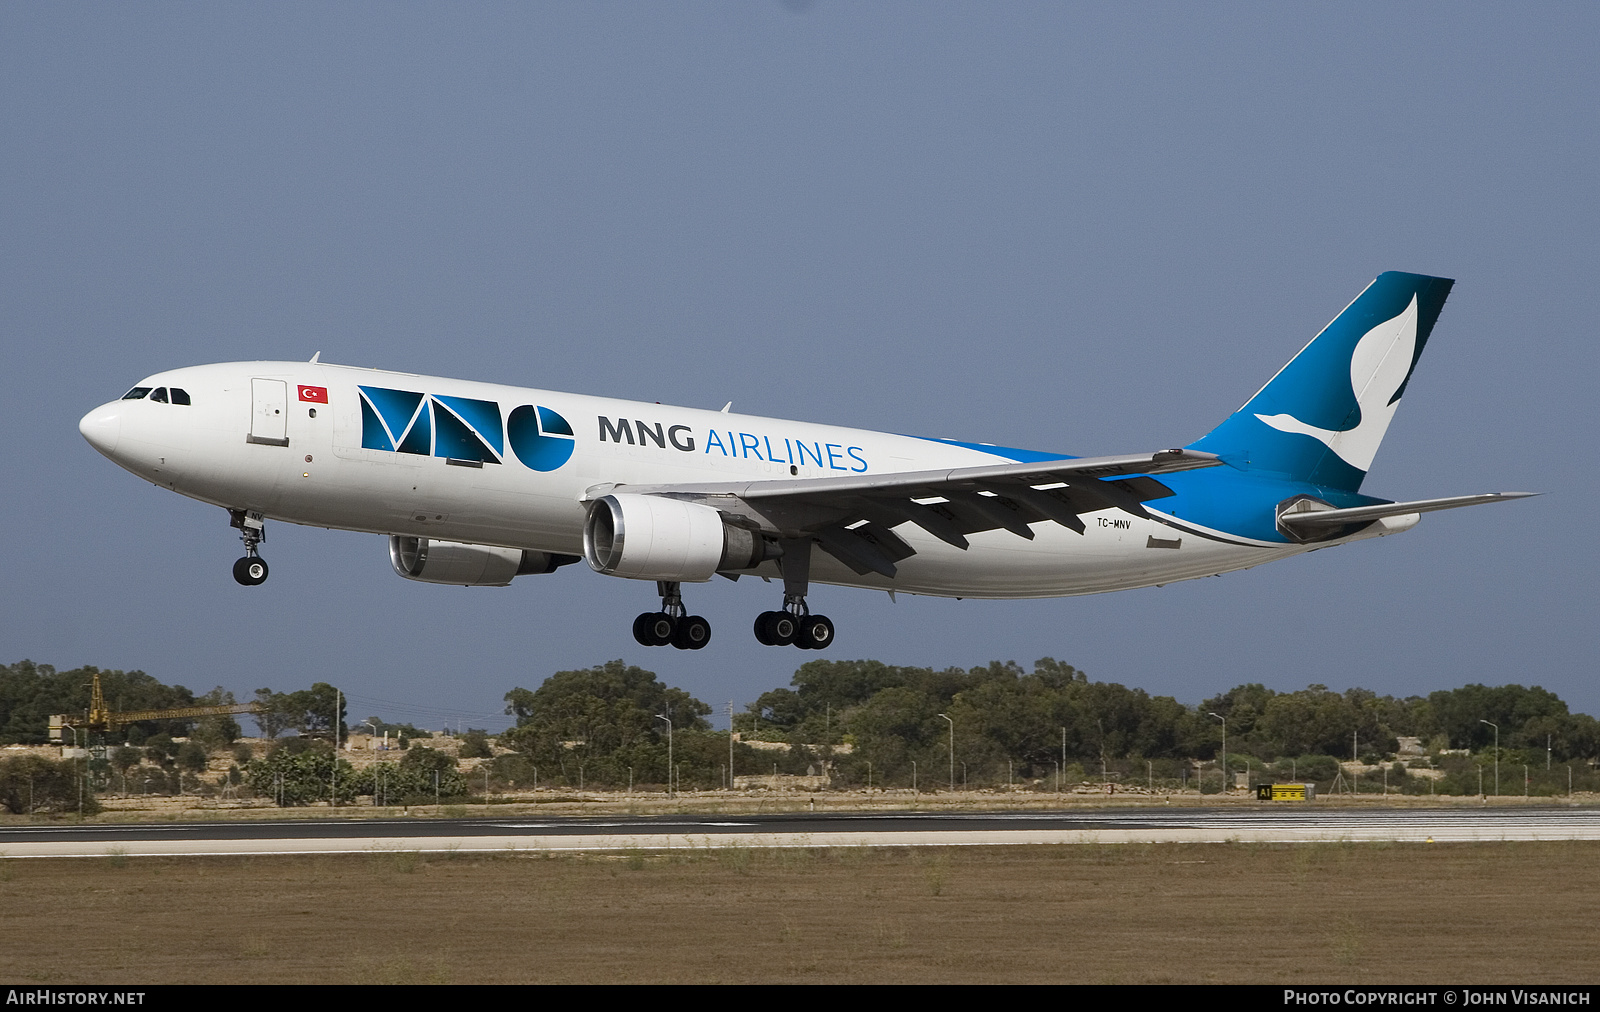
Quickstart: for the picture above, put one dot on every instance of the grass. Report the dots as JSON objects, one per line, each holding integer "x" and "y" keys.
{"x": 1322, "y": 913}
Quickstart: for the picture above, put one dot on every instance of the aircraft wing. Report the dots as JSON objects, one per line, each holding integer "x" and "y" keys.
{"x": 852, "y": 515}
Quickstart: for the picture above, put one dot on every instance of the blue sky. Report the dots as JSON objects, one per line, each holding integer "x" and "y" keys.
{"x": 1095, "y": 229}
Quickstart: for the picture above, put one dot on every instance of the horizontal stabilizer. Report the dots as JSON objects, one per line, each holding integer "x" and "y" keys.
{"x": 1312, "y": 519}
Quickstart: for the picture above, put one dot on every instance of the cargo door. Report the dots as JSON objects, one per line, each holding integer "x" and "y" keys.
{"x": 269, "y": 412}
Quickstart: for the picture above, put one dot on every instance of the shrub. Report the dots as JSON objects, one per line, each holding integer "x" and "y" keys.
{"x": 30, "y": 784}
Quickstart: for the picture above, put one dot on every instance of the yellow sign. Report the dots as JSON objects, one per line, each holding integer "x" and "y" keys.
{"x": 1285, "y": 792}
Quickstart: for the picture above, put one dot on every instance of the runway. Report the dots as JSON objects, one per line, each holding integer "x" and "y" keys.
{"x": 864, "y": 829}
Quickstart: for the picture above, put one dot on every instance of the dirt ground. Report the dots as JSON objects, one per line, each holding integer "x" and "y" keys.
{"x": 1177, "y": 913}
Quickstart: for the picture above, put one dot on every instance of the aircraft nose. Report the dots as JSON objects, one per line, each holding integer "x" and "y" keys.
{"x": 102, "y": 427}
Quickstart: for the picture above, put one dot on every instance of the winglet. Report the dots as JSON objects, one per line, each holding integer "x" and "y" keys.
{"x": 315, "y": 357}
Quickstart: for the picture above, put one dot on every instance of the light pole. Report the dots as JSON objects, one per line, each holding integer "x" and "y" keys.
{"x": 1496, "y": 754}
{"x": 1224, "y": 750}
{"x": 1063, "y": 759}
{"x": 333, "y": 783}
{"x": 80, "y": 778}
{"x": 952, "y": 724}
{"x": 660, "y": 716}
{"x": 1356, "y": 776}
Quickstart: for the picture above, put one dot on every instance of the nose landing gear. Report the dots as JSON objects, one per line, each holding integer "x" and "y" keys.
{"x": 671, "y": 624}
{"x": 250, "y": 571}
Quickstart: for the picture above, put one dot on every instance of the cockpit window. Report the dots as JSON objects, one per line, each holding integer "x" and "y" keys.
{"x": 160, "y": 395}
{"x": 136, "y": 394}
{"x": 180, "y": 395}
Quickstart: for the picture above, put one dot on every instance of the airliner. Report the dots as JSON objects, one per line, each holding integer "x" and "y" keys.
{"x": 476, "y": 483}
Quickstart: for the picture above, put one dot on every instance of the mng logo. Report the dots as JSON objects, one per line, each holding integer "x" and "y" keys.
{"x": 462, "y": 428}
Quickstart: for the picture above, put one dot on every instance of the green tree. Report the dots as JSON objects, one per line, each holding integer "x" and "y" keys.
{"x": 219, "y": 731}
{"x": 30, "y": 784}
{"x": 272, "y": 715}
{"x": 301, "y": 777}
{"x": 396, "y": 730}
{"x": 191, "y": 757}
{"x": 308, "y": 711}
{"x": 475, "y": 745}
{"x": 602, "y": 719}
{"x": 412, "y": 779}
{"x": 30, "y": 693}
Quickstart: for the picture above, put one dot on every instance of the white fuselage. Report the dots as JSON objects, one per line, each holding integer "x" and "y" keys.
{"x": 325, "y": 477}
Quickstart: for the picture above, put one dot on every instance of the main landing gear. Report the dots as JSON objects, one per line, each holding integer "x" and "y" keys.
{"x": 794, "y": 625}
{"x": 671, "y": 624}
{"x": 250, "y": 571}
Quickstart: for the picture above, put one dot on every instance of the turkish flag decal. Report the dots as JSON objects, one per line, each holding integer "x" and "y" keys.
{"x": 316, "y": 395}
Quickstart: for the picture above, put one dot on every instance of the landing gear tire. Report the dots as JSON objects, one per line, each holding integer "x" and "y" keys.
{"x": 816, "y": 632}
{"x": 250, "y": 571}
{"x": 693, "y": 632}
{"x": 776, "y": 628}
{"x": 656, "y": 628}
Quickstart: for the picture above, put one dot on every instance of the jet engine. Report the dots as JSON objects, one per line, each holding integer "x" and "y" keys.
{"x": 647, "y": 537}
{"x": 449, "y": 562}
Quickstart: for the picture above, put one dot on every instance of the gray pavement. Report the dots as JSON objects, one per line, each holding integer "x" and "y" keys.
{"x": 1286, "y": 824}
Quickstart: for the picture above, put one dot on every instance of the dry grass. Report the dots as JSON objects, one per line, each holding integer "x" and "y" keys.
{"x": 1352, "y": 913}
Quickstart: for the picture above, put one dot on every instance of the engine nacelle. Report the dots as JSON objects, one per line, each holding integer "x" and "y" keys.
{"x": 459, "y": 565}
{"x": 647, "y": 537}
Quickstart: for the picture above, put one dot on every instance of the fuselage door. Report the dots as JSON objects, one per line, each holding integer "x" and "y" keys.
{"x": 269, "y": 412}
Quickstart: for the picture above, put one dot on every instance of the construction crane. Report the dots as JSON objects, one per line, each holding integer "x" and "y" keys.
{"x": 102, "y": 718}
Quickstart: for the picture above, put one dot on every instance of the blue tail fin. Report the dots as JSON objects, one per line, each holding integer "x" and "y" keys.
{"x": 1321, "y": 418}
